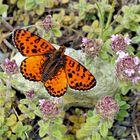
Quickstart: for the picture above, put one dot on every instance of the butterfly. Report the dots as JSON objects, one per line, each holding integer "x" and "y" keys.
{"x": 51, "y": 66}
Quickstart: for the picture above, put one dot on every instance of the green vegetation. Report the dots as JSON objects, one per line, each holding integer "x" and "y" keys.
{"x": 109, "y": 36}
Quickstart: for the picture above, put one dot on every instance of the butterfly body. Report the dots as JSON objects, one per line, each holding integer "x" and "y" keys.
{"x": 53, "y": 64}
{"x": 52, "y": 67}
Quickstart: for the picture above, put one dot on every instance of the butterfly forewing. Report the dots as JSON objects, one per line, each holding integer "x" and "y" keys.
{"x": 32, "y": 67}
{"x": 78, "y": 77}
{"x": 30, "y": 44}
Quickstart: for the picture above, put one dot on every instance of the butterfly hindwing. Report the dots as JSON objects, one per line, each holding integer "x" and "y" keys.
{"x": 30, "y": 44}
{"x": 78, "y": 77}
{"x": 57, "y": 85}
{"x": 32, "y": 67}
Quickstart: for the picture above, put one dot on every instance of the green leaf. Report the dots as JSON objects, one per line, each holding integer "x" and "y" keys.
{"x": 109, "y": 123}
{"x": 38, "y": 112}
{"x": 90, "y": 35}
{"x": 2, "y": 101}
{"x": 38, "y": 2}
{"x": 89, "y": 127}
{"x": 136, "y": 39}
{"x": 138, "y": 31}
{"x": 86, "y": 28}
{"x": 3, "y": 129}
{"x": 89, "y": 7}
{"x": 64, "y": 1}
{"x": 110, "y": 138}
{"x": 138, "y": 54}
{"x": 73, "y": 118}
{"x": 13, "y": 137}
{"x": 94, "y": 120}
{"x": 23, "y": 108}
{"x": 40, "y": 10}
{"x": 104, "y": 129}
{"x": 31, "y": 115}
{"x": 57, "y": 32}
{"x": 106, "y": 46}
{"x": 8, "y": 134}
{"x": 121, "y": 103}
{"x": 44, "y": 126}
{"x": 58, "y": 121}
{"x": 82, "y": 5}
{"x": 130, "y": 49}
{"x": 24, "y": 101}
{"x": 69, "y": 137}
{"x": 104, "y": 55}
{"x": 11, "y": 120}
{"x": 90, "y": 113}
{"x": 125, "y": 87}
{"x": 49, "y": 3}
{"x": 123, "y": 113}
{"x": 2, "y": 118}
{"x": 57, "y": 134}
{"x": 126, "y": 106}
{"x": 3, "y": 8}
{"x": 118, "y": 29}
{"x": 96, "y": 136}
{"x": 46, "y": 138}
{"x": 29, "y": 4}
{"x": 20, "y": 3}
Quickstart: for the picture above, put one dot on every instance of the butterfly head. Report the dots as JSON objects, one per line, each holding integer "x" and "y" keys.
{"x": 59, "y": 53}
{"x": 62, "y": 49}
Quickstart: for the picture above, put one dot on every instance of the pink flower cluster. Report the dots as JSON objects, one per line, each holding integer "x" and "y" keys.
{"x": 48, "y": 108}
{"x": 90, "y": 47}
{"x": 119, "y": 42}
{"x": 30, "y": 93}
{"x": 107, "y": 107}
{"x": 10, "y": 66}
{"x": 128, "y": 67}
{"x": 47, "y": 23}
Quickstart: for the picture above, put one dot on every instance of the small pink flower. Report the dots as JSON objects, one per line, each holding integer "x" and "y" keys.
{"x": 47, "y": 23}
{"x": 136, "y": 60}
{"x": 121, "y": 55}
{"x": 114, "y": 37}
{"x": 135, "y": 80}
{"x": 91, "y": 47}
{"x": 107, "y": 107}
{"x": 85, "y": 40}
{"x": 41, "y": 102}
{"x": 10, "y": 66}
{"x": 128, "y": 67}
{"x": 30, "y": 93}
{"x": 129, "y": 72}
{"x": 138, "y": 69}
{"x": 119, "y": 42}
{"x": 127, "y": 40}
{"x": 48, "y": 108}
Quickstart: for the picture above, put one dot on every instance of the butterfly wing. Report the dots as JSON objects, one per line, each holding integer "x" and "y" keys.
{"x": 78, "y": 77}
{"x": 32, "y": 67}
{"x": 30, "y": 44}
{"x": 57, "y": 85}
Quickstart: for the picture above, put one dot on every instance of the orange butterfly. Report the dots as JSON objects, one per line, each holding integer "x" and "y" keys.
{"x": 55, "y": 69}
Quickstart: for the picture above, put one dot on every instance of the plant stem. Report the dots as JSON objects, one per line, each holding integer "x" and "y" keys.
{"x": 101, "y": 17}
{"x": 110, "y": 14}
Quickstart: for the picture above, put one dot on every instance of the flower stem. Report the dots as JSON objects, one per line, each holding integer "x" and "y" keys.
{"x": 110, "y": 14}
{"x": 101, "y": 17}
